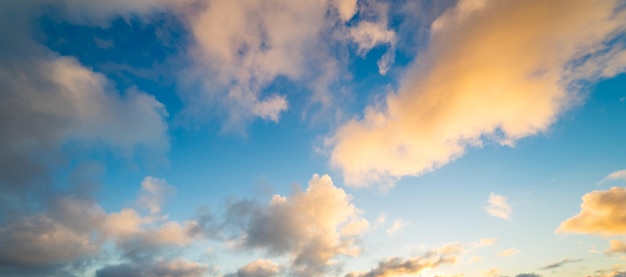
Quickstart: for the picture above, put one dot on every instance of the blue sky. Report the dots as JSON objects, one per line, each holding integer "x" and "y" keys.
{"x": 356, "y": 138}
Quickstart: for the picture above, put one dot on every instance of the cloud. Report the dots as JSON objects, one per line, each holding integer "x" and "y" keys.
{"x": 494, "y": 272}
{"x": 258, "y": 268}
{"x": 241, "y": 47}
{"x": 508, "y": 252}
{"x": 153, "y": 191}
{"x": 527, "y": 275}
{"x": 473, "y": 84}
{"x": 74, "y": 229}
{"x": 82, "y": 108}
{"x": 313, "y": 226}
{"x": 487, "y": 242}
{"x": 475, "y": 259}
{"x": 617, "y": 246}
{"x": 615, "y": 271}
{"x": 175, "y": 268}
{"x": 447, "y": 254}
{"x": 398, "y": 226}
{"x": 560, "y": 263}
{"x": 600, "y": 213}
{"x": 614, "y": 176}
{"x": 498, "y": 206}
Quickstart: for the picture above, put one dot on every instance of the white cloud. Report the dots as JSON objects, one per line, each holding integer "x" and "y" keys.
{"x": 498, "y": 206}
{"x": 313, "y": 227}
{"x": 474, "y": 84}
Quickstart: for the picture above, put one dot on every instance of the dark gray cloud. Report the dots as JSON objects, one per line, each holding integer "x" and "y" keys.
{"x": 176, "y": 268}
{"x": 560, "y": 263}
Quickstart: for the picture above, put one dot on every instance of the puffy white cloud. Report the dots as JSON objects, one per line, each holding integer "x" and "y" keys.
{"x": 498, "y": 206}
{"x": 243, "y": 46}
{"x": 602, "y": 212}
{"x": 447, "y": 254}
{"x": 499, "y": 71}
{"x": 313, "y": 227}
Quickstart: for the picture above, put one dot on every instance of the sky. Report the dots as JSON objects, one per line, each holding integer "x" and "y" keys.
{"x": 352, "y": 138}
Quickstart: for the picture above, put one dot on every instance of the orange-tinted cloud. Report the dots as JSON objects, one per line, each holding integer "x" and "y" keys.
{"x": 602, "y": 212}
{"x": 500, "y": 71}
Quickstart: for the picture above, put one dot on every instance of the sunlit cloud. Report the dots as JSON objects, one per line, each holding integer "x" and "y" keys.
{"x": 258, "y": 268}
{"x": 616, "y": 246}
{"x": 600, "y": 213}
{"x": 395, "y": 266}
{"x": 474, "y": 85}
{"x": 313, "y": 227}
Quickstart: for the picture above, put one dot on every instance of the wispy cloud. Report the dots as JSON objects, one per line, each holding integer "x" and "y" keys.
{"x": 560, "y": 263}
{"x": 498, "y": 206}
{"x": 508, "y": 252}
{"x": 397, "y": 226}
{"x": 448, "y": 254}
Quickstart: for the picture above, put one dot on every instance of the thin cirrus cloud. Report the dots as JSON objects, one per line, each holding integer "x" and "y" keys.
{"x": 508, "y": 252}
{"x": 498, "y": 206}
{"x": 615, "y": 176}
{"x": 490, "y": 83}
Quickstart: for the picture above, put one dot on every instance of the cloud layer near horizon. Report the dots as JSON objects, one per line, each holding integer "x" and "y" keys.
{"x": 489, "y": 74}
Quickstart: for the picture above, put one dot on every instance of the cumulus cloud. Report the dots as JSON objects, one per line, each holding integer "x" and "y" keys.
{"x": 498, "y": 206}
{"x": 74, "y": 229}
{"x": 313, "y": 226}
{"x": 475, "y": 84}
{"x": 174, "y": 268}
{"x": 241, "y": 47}
{"x": 49, "y": 101}
{"x": 602, "y": 212}
{"x": 560, "y": 263}
{"x": 152, "y": 194}
{"x": 617, "y": 246}
{"x": 258, "y": 268}
{"x": 447, "y": 254}
{"x": 508, "y": 252}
